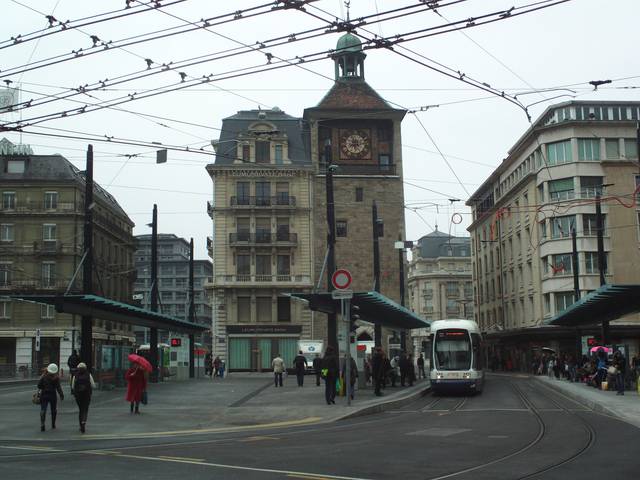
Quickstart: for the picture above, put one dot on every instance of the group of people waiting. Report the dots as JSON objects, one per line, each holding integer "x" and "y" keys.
{"x": 213, "y": 367}
{"x": 82, "y": 387}
{"x": 381, "y": 370}
{"x": 591, "y": 369}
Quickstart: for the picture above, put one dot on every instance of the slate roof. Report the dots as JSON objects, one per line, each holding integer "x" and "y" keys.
{"x": 52, "y": 168}
{"x": 437, "y": 244}
{"x": 293, "y": 127}
{"x": 350, "y": 94}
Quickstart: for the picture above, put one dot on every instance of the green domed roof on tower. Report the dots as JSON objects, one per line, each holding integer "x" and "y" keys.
{"x": 348, "y": 43}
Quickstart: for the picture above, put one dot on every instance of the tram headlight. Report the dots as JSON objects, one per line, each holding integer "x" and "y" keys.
{"x": 466, "y": 375}
{"x": 439, "y": 376}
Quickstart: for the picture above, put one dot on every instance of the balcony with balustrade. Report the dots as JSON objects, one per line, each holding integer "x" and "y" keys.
{"x": 258, "y": 280}
{"x": 280, "y": 239}
{"x": 280, "y": 201}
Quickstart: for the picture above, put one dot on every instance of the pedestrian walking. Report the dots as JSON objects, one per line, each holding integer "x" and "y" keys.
{"x": 216, "y": 366}
{"x": 377, "y": 370}
{"x": 403, "y": 363}
{"x": 331, "y": 370}
{"x": 208, "y": 366}
{"x": 411, "y": 371}
{"x": 278, "y": 369}
{"x": 353, "y": 372}
{"x": 390, "y": 367}
{"x": 317, "y": 368}
{"x": 421, "y": 367}
{"x": 82, "y": 386}
{"x": 136, "y": 386}
{"x": 620, "y": 364}
{"x": 49, "y": 385}
{"x": 72, "y": 363}
{"x": 300, "y": 364}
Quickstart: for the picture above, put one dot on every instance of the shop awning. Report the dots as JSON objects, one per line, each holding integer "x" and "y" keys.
{"x": 374, "y": 308}
{"x": 609, "y": 302}
{"x": 107, "y": 309}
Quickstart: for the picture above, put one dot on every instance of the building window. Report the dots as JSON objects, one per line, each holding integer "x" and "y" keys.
{"x": 541, "y": 192}
{"x": 359, "y": 194}
{"x": 591, "y": 262}
{"x": 243, "y": 264}
{"x": 7, "y": 232}
{"x": 263, "y": 193}
{"x": 589, "y": 225}
{"x": 244, "y": 309}
{"x": 282, "y": 193}
{"x": 561, "y": 226}
{"x": 630, "y": 148}
{"x": 50, "y": 200}
{"x": 284, "y": 309}
{"x": 561, "y": 189}
{"x": 547, "y": 303}
{"x": 561, "y": 264}
{"x": 612, "y": 148}
{"x": 242, "y": 193}
{"x": 563, "y": 300}
{"x": 384, "y": 160}
{"x": 341, "y": 228}
{"x": 559, "y": 152}
{"x": 5, "y": 274}
{"x": 47, "y": 312}
{"x": 8, "y": 200}
{"x": 278, "y": 153}
{"x": 4, "y": 310}
{"x": 15, "y": 166}
{"x": 588, "y": 149}
{"x": 48, "y": 274}
{"x": 283, "y": 266}
{"x": 166, "y": 282}
{"x": 49, "y": 232}
{"x": 263, "y": 309}
{"x": 590, "y": 186}
{"x": 246, "y": 153}
{"x": 263, "y": 265}
{"x": 263, "y": 152}
{"x": 452, "y": 289}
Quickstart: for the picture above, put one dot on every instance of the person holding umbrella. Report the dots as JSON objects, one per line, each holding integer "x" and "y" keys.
{"x": 136, "y": 381}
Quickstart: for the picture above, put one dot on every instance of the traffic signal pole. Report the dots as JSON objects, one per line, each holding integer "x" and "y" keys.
{"x": 86, "y": 326}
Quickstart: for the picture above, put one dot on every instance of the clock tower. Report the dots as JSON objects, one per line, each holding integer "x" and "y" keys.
{"x": 357, "y": 132}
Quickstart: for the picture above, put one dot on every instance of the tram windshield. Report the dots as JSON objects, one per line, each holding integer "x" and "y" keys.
{"x": 452, "y": 349}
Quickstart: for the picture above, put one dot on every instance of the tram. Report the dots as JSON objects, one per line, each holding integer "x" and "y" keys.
{"x": 456, "y": 357}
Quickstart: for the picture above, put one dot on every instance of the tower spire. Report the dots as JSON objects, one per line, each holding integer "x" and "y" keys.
{"x": 347, "y": 4}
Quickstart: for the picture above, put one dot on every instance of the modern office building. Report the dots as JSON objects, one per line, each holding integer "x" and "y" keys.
{"x": 41, "y": 247}
{"x": 439, "y": 280}
{"x": 173, "y": 283}
{"x": 525, "y": 212}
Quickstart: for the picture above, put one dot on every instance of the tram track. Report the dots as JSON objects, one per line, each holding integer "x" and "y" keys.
{"x": 542, "y": 431}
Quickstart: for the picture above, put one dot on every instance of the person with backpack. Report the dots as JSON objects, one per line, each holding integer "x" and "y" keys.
{"x": 300, "y": 365}
{"x": 82, "y": 386}
{"x": 330, "y": 373}
{"x": 48, "y": 386}
{"x": 317, "y": 368}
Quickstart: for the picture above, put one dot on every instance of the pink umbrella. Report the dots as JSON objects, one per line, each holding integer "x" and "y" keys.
{"x": 604, "y": 349}
{"x": 143, "y": 362}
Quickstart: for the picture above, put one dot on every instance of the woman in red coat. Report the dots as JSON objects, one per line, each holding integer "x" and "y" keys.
{"x": 136, "y": 385}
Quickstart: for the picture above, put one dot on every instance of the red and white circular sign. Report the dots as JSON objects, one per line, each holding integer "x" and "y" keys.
{"x": 341, "y": 279}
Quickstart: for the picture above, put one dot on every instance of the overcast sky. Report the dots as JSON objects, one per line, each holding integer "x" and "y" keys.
{"x": 562, "y": 47}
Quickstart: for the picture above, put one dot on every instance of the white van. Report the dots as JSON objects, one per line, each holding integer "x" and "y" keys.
{"x": 311, "y": 349}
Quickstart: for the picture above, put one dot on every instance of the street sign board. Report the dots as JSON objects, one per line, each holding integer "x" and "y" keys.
{"x": 341, "y": 279}
{"x": 394, "y": 346}
{"x": 37, "y": 339}
{"x": 341, "y": 294}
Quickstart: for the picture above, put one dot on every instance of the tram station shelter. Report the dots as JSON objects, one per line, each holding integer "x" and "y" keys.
{"x": 110, "y": 310}
{"x": 611, "y": 302}
{"x": 373, "y": 307}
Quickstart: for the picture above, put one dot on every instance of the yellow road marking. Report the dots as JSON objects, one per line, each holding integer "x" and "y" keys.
{"x": 182, "y": 458}
{"x": 202, "y": 431}
{"x": 308, "y": 476}
{"x": 257, "y": 439}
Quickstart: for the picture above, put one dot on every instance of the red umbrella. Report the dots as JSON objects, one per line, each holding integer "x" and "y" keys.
{"x": 143, "y": 362}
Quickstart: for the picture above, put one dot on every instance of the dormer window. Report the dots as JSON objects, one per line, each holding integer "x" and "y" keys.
{"x": 15, "y": 166}
{"x": 263, "y": 151}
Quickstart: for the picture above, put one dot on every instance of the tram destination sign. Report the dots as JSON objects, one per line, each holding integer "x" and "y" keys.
{"x": 263, "y": 329}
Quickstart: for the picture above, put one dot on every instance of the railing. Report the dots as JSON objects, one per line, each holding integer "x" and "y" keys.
{"x": 29, "y": 285}
{"x": 247, "y": 238}
{"x": 210, "y": 209}
{"x": 19, "y": 371}
{"x": 29, "y": 207}
{"x": 40, "y": 247}
{"x": 261, "y": 278}
{"x": 361, "y": 169}
{"x": 263, "y": 201}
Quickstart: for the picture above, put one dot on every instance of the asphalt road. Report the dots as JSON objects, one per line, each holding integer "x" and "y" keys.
{"x": 516, "y": 429}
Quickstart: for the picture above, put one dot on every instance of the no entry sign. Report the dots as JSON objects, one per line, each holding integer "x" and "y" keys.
{"x": 341, "y": 279}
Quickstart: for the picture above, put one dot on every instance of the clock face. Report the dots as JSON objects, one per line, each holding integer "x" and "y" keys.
{"x": 355, "y": 144}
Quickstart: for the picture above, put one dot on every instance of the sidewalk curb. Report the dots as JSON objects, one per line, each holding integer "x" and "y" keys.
{"x": 383, "y": 406}
{"x": 596, "y": 406}
{"x": 8, "y": 383}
